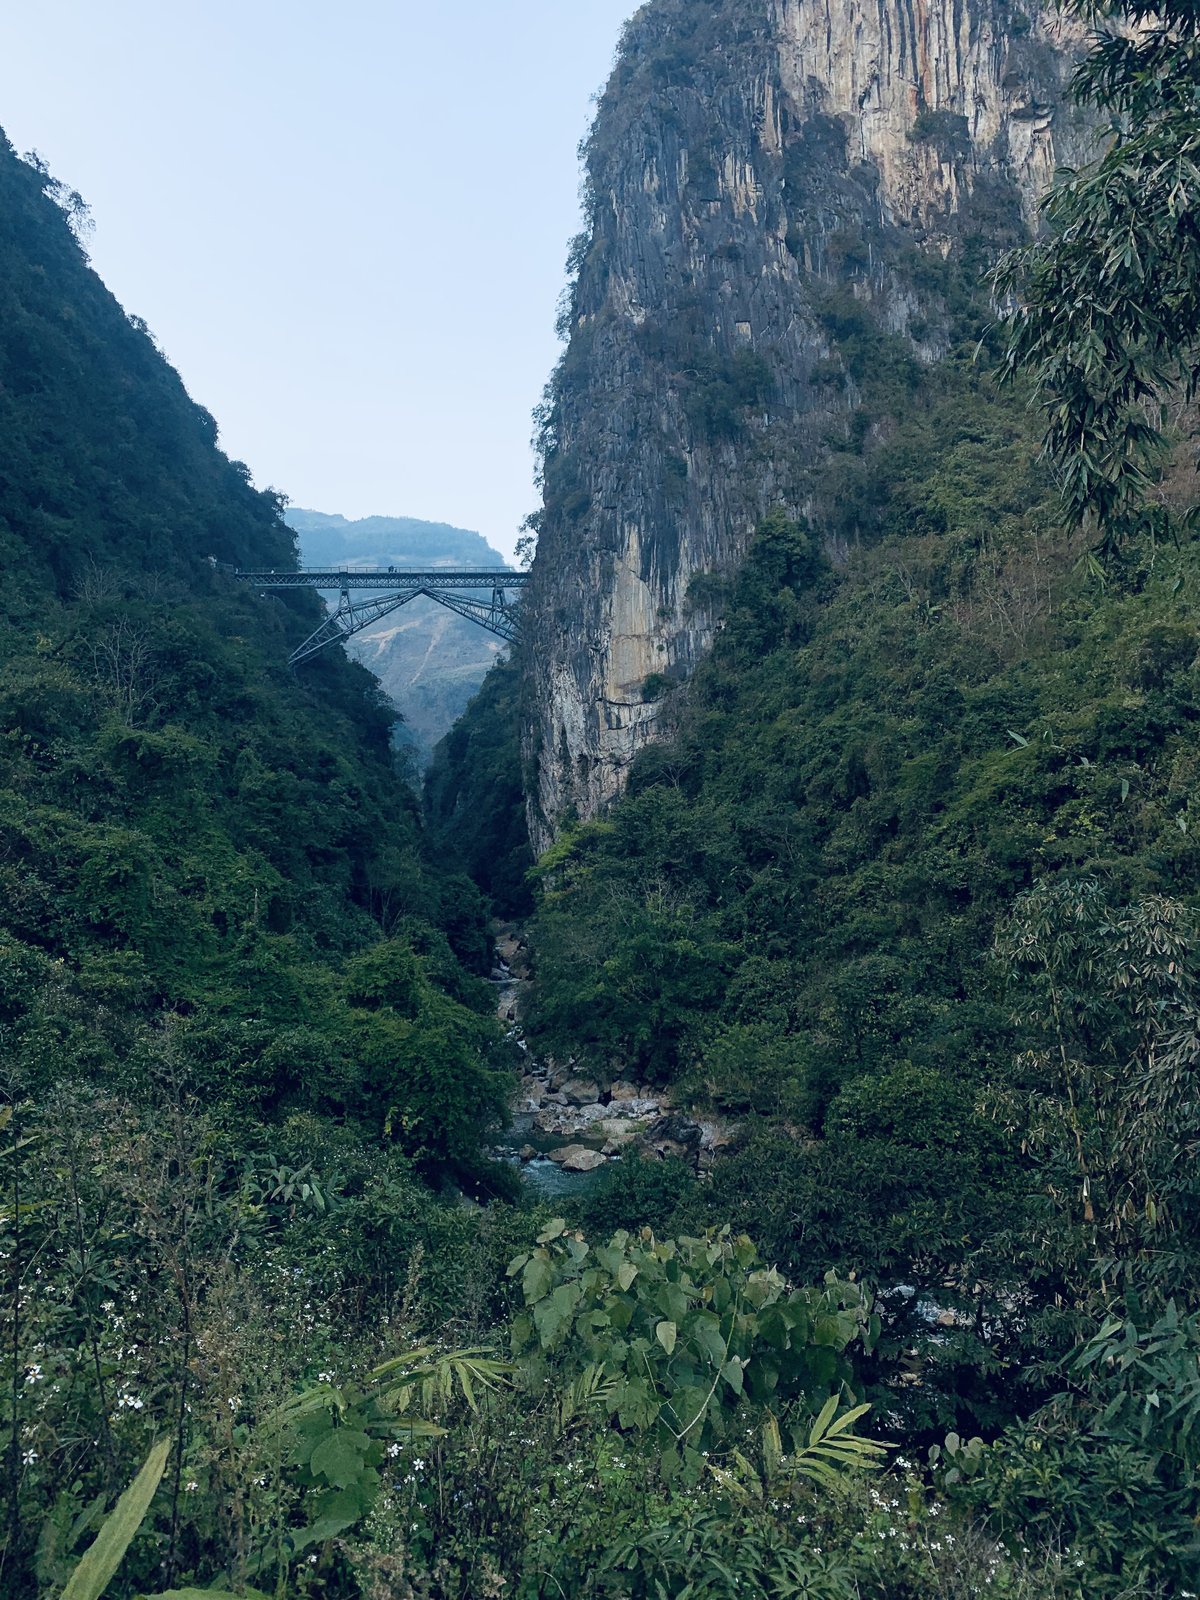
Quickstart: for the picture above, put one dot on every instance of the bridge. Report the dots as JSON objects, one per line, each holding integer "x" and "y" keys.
{"x": 386, "y": 590}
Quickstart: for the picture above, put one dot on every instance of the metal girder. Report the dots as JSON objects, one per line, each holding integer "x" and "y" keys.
{"x": 443, "y": 585}
{"x": 497, "y": 617}
{"x": 350, "y": 617}
{"x": 343, "y": 578}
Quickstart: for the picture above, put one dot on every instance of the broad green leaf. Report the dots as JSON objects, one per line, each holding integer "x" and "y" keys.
{"x": 549, "y": 1319}
{"x": 537, "y": 1279}
{"x": 102, "y": 1558}
{"x": 341, "y": 1457}
{"x": 666, "y": 1333}
{"x": 772, "y": 1446}
{"x": 337, "y": 1510}
{"x": 206, "y": 1594}
{"x": 846, "y": 1420}
{"x": 463, "y": 1370}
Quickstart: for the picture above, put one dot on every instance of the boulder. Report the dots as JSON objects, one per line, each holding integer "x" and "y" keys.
{"x": 565, "y": 1152}
{"x": 528, "y": 1153}
{"x": 676, "y": 1135}
{"x": 622, "y": 1089}
{"x": 617, "y": 1133}
{"x": 715, "y": 1135}
{"x": 581, "y": 1091}
{"x": 581, "y": 1160}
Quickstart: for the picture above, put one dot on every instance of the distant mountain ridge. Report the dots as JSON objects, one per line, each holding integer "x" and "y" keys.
{"x": 429, "y": 661}
{"x": 329, "y": 538}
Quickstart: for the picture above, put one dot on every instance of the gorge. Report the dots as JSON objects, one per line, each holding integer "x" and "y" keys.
{"x": 815, "y": 880}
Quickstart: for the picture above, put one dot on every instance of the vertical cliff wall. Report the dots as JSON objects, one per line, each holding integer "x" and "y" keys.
{"x": 751, "y": 161}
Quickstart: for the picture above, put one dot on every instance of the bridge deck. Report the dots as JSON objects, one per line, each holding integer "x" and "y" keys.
{"x": 387, "y": 578}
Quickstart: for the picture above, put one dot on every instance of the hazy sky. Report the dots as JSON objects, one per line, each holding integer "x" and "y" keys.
{"x": 346, "y": 222}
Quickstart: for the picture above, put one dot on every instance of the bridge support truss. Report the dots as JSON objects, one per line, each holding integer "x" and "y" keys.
{"x": 458, "y": 590}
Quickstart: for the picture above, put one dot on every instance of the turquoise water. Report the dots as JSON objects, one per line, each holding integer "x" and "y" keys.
{"x": 546, "y": 1177}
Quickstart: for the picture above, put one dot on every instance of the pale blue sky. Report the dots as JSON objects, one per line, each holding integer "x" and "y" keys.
{"x": 345, "y": 222}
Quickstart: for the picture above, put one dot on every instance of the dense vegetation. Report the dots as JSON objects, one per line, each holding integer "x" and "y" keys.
{"x": 474, "y": 796}
{"x": 908, "y": 899}
{"x": 226, "y": 958}
{"x": 1108, "y": 301}
{"x": 910, "y": 895}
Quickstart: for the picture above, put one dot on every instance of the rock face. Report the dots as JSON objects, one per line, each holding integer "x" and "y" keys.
{"x": 750, "y": 160}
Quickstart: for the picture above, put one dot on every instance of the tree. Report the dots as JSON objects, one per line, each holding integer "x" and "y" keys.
{"x": 1108, "y": 307}
{"x": 1106, "y": 998}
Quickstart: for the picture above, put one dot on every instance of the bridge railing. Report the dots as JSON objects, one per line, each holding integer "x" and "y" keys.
{"x": 386, "y": 578}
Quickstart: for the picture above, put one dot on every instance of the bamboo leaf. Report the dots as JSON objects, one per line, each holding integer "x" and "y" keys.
{"x": 102, "y": 1558}
{"x": 825, "y": 1416}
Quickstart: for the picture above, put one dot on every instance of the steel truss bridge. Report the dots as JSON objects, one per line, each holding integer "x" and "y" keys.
{"x": 367, "y": 595}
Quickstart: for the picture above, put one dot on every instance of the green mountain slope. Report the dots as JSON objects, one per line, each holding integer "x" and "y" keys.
{"x": 196, "y": 845}
{"x": 243, "y": 1035}
{"x": 879, "y": 757}
{"x": 807, "y": 913}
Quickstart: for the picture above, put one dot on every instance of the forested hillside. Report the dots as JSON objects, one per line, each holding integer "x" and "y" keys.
{"x": 898, "y": 913}
{"x": 227, "y": 961}
{"x": 862, "y": 951}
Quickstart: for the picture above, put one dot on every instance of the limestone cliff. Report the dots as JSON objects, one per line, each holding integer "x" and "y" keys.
{"x": 750, "y": 158}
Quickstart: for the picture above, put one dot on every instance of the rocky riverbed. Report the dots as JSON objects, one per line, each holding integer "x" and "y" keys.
{"x": 568, "y": 1122}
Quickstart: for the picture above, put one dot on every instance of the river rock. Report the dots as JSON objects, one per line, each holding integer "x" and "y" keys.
{"x": 615, "y": 1128}
{"x": 632, "y": 1110}
{"x": 622, "y": 1089}
{"x": 512, "y": 954}
{"x": 583, "y": 1160}
{"x": 566, "y": 1152}
{"x": 581, "y": 1091}
{"x": 715, "y": 1135}
{"x": 528, "y": 1152}
{"x": 675, "y": 1135}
